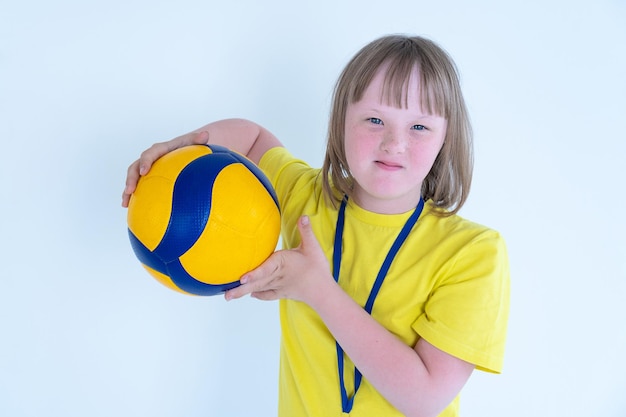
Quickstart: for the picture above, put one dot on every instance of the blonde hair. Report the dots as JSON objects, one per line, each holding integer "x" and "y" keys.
{"x": 448, "y": 182}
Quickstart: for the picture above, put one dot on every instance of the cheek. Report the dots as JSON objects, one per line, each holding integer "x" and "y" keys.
{"x": 352, "y": 158}
{"x": 355, "y": 146}
{"x": 360, "y": 140}
{"x": 424, "y": 156}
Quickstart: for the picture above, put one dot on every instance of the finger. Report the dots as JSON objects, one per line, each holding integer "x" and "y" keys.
{"x": 150, "y": 155}
{"x": 270, "y": 295}
{"x": 154, "y": 152}
{"x": 193, "y": 138}
{"x": 265, "y": 277}
{"x": 132, "y": 177}
{"x": 200, "y": 138}
{"x": 248, "y": 285}
{"x": 237, "y": 292}
{"x": 125, "y": 199}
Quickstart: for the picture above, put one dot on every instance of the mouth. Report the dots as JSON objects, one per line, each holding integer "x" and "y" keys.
{"x": 388, "y": 165}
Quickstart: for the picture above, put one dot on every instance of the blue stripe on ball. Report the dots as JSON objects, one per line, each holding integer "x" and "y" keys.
{"x": 191, "y": 205}
{"x": 253, "y": 168}
{"x": 187, "y": 283}
{"x": 145, "y": 255}
{"x": 177, "y": 273}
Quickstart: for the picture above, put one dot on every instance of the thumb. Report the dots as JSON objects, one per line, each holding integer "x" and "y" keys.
{"x": 306, "y": 232}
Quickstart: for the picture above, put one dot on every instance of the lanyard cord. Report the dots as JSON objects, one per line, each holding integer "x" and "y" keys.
{"x": 348, "y": 402}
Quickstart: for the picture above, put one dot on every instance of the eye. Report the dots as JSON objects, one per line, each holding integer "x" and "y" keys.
{"x": 375, "y": 120}
{"x": 418, "y": 127}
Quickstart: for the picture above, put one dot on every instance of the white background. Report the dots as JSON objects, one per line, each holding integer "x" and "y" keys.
{"x": 85, "y": 86}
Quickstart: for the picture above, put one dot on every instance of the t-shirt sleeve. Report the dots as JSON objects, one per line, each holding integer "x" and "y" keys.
{"x": 286, "y": 172}
{"x": 467, "y": 313}
{"x": 294, "y": 181}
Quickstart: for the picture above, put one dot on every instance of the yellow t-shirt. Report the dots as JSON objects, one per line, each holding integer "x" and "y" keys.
{"x": 449, "y": 284}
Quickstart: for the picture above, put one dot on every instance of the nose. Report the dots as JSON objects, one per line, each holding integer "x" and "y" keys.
{"x": 393, "y": 142}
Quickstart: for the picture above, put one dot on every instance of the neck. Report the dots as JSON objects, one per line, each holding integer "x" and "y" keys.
{"x": 391, "y": 206}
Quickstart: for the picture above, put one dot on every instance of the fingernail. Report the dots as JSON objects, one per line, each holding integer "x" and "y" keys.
{"x": 305, "y": 220}
{"x": 244, "y": 279}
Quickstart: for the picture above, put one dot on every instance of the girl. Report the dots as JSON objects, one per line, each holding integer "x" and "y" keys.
{"x": 388, "y": 299}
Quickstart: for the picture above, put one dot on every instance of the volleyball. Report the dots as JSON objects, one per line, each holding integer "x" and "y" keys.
{"x": 201, "y": 218}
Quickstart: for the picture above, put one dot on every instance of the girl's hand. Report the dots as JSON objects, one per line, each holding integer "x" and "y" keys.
{"x": 299, "y": 274}
{"x": 142, "y": 165}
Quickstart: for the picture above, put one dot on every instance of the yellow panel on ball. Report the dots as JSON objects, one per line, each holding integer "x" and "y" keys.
{"x": 243, "y": 227}
{"x": 150, "y": 207}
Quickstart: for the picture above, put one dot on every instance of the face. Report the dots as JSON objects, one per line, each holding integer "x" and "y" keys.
{"x": 390, "y": 150}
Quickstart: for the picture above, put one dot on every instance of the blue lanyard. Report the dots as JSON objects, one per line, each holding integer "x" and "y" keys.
{"x": 348, "y": 402}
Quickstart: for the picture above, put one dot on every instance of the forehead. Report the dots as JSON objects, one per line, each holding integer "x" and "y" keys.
{"x": 400, "y": 87}
{"x": 395, "y": 87}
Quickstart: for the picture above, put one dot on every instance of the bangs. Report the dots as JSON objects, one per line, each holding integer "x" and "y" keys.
{"x": 396, "y": 87}
{"x": 401, "y": 61}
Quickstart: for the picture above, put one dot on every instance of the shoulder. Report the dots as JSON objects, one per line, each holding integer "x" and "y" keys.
{"x": 466, "y": 247}
{"x": 457, "y": 228}
{"x": 281, "y": 166}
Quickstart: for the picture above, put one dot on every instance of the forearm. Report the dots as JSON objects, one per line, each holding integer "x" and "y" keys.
{"x": 396, "y": 370}
{"x": 392, "y": 367}
{"x": 243, "y": 136}
{"x": 419, "y": 381}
